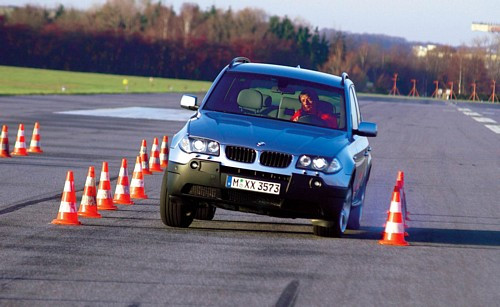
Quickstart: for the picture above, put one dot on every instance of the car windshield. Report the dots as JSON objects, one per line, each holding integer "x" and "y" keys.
{"x": 279, "y": 98}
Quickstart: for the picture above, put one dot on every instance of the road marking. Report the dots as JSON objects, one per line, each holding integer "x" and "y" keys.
{"x": 464, "y": 109}
{"x": 137, "y": 113}
{"x": 472, "y": 113}
{"x": 494, "y": 128}
{"x": 484, "y": 120}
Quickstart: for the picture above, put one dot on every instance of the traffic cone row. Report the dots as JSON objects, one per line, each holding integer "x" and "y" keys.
{"x": 158, "y": 159}
{"x": 100, "y": 199}
{"x": 20, "y": 145}
{"x": 394, "y": 232}
{"x": 93, "y": 200}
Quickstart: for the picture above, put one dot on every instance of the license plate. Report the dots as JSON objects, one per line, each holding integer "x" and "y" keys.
{"x": 253, "y": 185}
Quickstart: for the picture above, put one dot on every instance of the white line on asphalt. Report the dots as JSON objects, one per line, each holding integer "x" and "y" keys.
{"x": 137, "y": 113}
{"x": 472, "y": 113}
{"x": 484, "y": 120}
{"x": 494, "y": 128}
{"x": 464, "y": 109}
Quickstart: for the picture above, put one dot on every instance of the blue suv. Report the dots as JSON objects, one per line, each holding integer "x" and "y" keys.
{"x": 273, "y": 140}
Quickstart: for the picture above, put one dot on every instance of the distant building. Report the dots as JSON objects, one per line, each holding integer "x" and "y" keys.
{"x": 485, "y": 27}
{"x": 421, "y": 51}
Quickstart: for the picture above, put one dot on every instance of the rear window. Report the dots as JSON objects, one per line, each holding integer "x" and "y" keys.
{"x": 277, "y": 98}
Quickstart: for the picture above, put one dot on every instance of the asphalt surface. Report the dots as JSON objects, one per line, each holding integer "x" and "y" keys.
{"x": 129, "y": 258}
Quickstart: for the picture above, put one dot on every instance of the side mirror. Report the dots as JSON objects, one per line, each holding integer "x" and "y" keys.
{"x": 189, "y": 102}
{"x": 366, "y": 129}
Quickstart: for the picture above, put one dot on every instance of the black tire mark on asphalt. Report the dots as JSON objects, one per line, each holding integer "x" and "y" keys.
{"x": 289, "y": 295}
{"x": 24, "y": 204}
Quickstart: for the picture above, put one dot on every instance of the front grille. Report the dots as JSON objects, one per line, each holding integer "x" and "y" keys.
{"x": 275, "y": 159}
{"x": 240, "y": 154}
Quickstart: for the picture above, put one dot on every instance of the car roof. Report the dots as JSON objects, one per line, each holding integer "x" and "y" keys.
{"x": 289, "y": 72}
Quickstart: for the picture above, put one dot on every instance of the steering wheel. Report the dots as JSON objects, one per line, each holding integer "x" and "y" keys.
{"x": 311, "y": 119}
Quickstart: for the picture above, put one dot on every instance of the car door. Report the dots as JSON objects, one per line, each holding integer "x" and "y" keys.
{"x": 360, "y": 144}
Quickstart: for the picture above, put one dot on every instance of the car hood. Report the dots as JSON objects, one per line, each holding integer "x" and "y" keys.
{"x": 282, "y": 136}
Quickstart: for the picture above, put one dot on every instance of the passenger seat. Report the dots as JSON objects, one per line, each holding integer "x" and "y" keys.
{"x": 288, "y": 107}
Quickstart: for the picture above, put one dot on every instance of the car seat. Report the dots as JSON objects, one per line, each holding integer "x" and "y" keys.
{"x": 250, "y": 101}
{"x": 288, "y": 106}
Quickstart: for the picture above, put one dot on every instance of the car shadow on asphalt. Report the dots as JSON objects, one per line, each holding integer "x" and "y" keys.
{"x": 435, "y": 236}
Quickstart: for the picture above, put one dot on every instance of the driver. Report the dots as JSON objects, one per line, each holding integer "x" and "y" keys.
{"x": 309, "y": 101}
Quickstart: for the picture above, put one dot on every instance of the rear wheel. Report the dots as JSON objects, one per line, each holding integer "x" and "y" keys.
{"x": 338, "y": 226}
{"x": 205, "y": 212}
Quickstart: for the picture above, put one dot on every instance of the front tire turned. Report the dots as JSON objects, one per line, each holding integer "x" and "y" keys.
{"x": 337, "y": 227}
{"x": 173, "y": 211}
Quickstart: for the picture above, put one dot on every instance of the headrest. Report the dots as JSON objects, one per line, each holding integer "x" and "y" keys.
{"x": 290, "y": 103}
{"x": 250, "y": 99}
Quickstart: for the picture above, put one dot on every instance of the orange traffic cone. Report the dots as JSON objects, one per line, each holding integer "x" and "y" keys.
{"x": 67, "y": 210}
{"x": 122, "y": 191}
{"x": 20, "y": 147}
{"x": 35, "y": 140}
{"x": 164, "y": 152}
{"x": 144, "y": 159}
{"x": 88, "y": 205}
{"x": 104, "y": 198}
{"x": 137, "y": 184}
{"x": 154, "y": 160}
{"x": 4, "y": 142}
{"x": 394, "y": 233}
{"x": 400, "y": 182}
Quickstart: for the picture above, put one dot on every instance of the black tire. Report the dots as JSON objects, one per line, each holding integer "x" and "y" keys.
{"x": 163, "y": 198}
{"x": 173, "y": 211}
{"x": 339, "y": 225}
{"x": 205, "y": 212}
{"x": 354, "y": 222}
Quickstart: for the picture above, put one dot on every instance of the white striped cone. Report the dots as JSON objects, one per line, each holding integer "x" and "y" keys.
{"x": 4, "y": 142}
{"x": 35, "y": 140}
{"x": 122, "y": 191}
{"x": 20, "y": 147}
{"x": 144, "y": 159}
{"x": 394, "y": 233}
{"x": 164, "y": 152}
{"x": 137, "y": 183}
{"x": 67, "y": 209}
{"x": 154, "y": 160}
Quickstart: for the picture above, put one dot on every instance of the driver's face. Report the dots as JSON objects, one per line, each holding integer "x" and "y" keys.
{"x": 307, "y": 103}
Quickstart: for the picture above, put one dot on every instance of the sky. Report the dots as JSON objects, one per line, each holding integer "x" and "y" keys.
{"x": 433, "y": 21}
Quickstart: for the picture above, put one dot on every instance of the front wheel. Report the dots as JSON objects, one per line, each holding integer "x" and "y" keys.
{"x": 337, "y": 227}
{"x": 173, "y": 211}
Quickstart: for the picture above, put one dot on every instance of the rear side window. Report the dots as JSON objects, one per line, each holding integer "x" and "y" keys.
{"x": 273, "y": 97}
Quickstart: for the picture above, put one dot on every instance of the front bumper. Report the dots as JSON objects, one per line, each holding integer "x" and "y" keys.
{"x": 301, "y": 196}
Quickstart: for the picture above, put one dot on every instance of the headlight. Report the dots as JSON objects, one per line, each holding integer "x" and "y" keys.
{"x": 319, "y": 164}
{"x": 305, "y": 161}
{"x": 200, "y": 145}
{"x": 334, "y": 167}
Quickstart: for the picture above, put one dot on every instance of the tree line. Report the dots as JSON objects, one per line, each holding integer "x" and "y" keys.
{"x": 152, "y": 39}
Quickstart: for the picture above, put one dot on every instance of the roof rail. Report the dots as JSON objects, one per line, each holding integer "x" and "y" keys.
{"x": 344, "y": 76}
{"x": 237, "y": 60}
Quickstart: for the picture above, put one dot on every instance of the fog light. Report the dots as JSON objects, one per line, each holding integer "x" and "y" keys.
{"x": 194, "y": 165}
{"x": 315, "y": 183}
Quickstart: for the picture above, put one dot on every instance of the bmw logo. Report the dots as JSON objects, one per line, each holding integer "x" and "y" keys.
{"x": 260, "y": 144}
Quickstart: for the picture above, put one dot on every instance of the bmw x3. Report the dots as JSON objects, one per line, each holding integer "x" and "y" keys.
{"x": 273, "y": 140}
